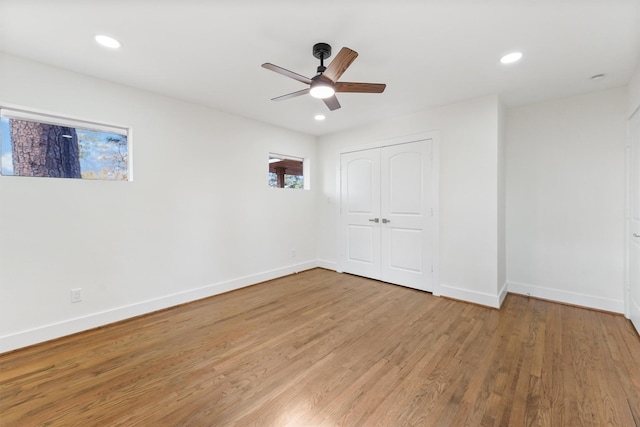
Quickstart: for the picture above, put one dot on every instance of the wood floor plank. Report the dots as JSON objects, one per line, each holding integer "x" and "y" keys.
{"x": 326, "y": 349}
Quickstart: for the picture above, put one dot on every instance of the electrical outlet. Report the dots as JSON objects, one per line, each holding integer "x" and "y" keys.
{"x": 76, "y": 295}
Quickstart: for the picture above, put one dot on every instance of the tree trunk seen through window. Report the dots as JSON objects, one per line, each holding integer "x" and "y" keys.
{"x": 41, "y": 149}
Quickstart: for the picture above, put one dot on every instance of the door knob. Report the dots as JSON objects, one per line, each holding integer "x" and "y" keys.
{"x": 375, "y": 220}
{"x": 634, "y": 234}
{"x": 385, "y": 220}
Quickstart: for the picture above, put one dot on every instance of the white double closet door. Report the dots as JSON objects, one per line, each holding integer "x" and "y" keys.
{"x": 387, "y": 202}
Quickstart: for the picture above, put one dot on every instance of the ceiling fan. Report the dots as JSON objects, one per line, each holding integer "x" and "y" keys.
{"x": 325, "y": 84}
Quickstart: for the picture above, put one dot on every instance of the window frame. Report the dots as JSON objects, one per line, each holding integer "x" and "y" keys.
{"x": 33, "y": 115}
{"x": 306, "y": 182}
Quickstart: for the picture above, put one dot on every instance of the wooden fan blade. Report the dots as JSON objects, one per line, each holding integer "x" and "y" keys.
{"x": 332, "y": 103}
{"x": 340, "y": 64}
{"x": 287, "y": 73}
{"x": 360, "y": 87}
{"x": 291, "y": 95}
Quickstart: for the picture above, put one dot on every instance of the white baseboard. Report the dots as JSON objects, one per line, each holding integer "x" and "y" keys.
{"x": 71, "y": 326}
{"x": 328, "y": 265}
{"x": 504, "y": 291}
{"x": 573, "y": 298}
{"x": 479, "y": 298}
{"x": 634, "y": 308}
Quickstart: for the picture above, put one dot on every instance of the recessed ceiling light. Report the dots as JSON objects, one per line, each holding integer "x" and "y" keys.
{"x": 511, "y": 57}
{"x": 107, "y": 41}
{"x": 319, "y": 117}
{"x": 597, "y": 77}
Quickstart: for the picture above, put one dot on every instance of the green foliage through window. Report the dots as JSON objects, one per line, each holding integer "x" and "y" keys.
{"x": 290, "y": 181}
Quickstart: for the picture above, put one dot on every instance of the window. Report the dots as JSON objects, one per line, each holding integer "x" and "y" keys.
{"x": 41, "y": 145}
{"x": 286, "y": 172}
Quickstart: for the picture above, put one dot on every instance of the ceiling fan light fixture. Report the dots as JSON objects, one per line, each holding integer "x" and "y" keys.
{"x": 321, "y": 91}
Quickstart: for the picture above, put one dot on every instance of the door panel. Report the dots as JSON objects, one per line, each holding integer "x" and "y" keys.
{"x": 634, "y": 238}
{"x": 404, "y": 182}
{"x": 360, "y": 203}
{"x": 360, "y": 186}
{"x": 405, "y": 172}
{"x": 405, "y": 250}
{"x": 361, "y": 244}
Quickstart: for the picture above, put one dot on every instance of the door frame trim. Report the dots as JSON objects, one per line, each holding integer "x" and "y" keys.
{"x": 434, "y": 225}
{"x": 627, "y": 211}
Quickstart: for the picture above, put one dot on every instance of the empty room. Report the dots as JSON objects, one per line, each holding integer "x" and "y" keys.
{"x": 327, "y": 213}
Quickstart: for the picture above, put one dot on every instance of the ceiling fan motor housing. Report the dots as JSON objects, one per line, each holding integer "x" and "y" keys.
{"x": 321, "y": 51}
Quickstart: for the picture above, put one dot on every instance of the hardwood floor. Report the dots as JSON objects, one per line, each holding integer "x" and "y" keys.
{"x": 326, "y": 349}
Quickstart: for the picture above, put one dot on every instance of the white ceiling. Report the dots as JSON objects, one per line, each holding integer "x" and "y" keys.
{"x": 428, "y": 52}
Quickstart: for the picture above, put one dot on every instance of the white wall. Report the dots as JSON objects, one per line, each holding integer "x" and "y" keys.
{"x": 198, "y": 218}
{"x": 565, "y": 199}
{"x": 634, "y": 92}
{"x": 468, "y": 192}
